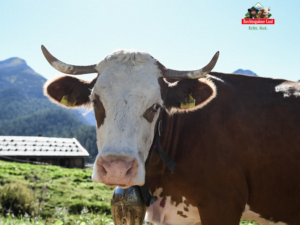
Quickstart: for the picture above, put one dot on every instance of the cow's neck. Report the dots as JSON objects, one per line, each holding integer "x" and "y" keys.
{"x": 156, "y": 169}
{"x": 178, "y": 139}
{"x": 170, "y": 129}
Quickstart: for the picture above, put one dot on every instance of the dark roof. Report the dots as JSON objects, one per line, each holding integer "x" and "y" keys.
{"x": 40, "y": 146}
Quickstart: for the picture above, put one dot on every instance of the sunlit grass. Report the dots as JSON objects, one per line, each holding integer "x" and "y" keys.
{"x": 59, "y": 187}
{"x": 61, "y": 196}
{"x": 60, "y": 218}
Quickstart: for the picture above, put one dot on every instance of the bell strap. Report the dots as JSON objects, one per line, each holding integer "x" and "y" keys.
{"x": 163, "y": 155}
{"x": 148, "y": 198}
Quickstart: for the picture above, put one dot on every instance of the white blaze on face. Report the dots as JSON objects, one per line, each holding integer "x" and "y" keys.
{"x": 127, "y": 87}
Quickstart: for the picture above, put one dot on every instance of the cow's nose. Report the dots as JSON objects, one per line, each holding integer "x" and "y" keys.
{"x": 118, "y": 171}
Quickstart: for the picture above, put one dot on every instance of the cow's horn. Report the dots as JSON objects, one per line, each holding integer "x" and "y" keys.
{"x": 67, "y": 68}
{"x": 192, "y": 74}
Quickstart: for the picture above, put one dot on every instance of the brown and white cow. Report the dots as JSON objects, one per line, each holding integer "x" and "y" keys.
{"x": 264, "y": 13}
{"x": 237, "y": 152}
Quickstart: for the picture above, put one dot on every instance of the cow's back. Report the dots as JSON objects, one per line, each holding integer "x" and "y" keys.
{"x": 242, "y": 146}
{"x": 266, "y": 133}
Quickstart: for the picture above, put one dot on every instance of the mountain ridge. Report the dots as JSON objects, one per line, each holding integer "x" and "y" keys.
{"x": 245, "y": 72}
{"x": 26, "y": 111}
{"x": 16, "y": 75}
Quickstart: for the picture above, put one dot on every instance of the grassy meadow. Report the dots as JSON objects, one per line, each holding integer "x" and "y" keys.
{"x": 44, "y": 194}
{"x": 50, "y": 194}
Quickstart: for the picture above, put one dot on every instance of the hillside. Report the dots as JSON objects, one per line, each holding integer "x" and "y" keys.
{"x": 16, "y": 74}
{"x": 26, "y": 111}
{"x": 18, "y": 79}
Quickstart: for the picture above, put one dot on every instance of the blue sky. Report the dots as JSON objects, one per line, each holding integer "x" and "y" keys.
{"x": 180, "y": 34}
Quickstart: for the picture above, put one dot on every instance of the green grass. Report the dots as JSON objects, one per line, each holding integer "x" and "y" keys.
{"x": 60, "y": 196}
{"x": 84, "y": 218}
{"x": 59, "y": 187}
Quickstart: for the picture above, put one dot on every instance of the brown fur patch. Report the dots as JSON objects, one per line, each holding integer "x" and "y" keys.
{"x": 77, "y": 90}
{"x": 187, "y": 203}
{"x": 99, "y": 110}
{"x": 262, "y": 14}
{"x": 149, "y": 114}
{"x": 181, "y": 214}
{"x": 241, "y": 150}
{"x": 175, "y": 91}
{"x": 173, "y": 94}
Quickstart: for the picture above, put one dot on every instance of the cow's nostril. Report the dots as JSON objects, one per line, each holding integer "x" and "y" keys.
{"x": 102, "y": 170}
{"x": 129, "y": 171}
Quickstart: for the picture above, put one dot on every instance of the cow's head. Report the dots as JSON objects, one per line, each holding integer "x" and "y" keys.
{"x": 127, "y": 96}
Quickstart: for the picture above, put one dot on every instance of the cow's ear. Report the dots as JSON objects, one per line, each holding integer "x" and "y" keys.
{"x": 187, "y": 94}
{"x": 69, "y": 91}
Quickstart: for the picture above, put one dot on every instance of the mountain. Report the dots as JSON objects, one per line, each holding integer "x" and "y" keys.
{"x": 89, "y": 117}
{"x": 245, "y": 72}
{"x": 258, "y": 6}
{"x": 26, "y": 111}
{"x": 18, "y": 79}
{"x": 15, "y": 73}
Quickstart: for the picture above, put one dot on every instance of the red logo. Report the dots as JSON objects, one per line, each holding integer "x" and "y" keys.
{"x": 258, "y": 21}
{"x": 257, "y": 14}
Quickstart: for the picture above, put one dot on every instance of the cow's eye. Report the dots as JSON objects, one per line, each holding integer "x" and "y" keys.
{"x": 94, "y": 101}
{"x": 156, "y": 107}
{"x": 150, "y": 113}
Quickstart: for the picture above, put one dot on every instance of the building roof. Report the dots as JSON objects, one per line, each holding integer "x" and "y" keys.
{"x": 40, "y": 146}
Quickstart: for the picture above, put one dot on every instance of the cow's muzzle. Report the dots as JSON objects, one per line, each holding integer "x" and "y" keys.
{"x": 115, "y": 171}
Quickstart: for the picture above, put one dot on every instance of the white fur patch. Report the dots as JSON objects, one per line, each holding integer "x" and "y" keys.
{"x": 169, "y": 213}
{"x": 288, "y": 88}
{"x": 252, "y": 216}
{"x": 127, "y": 87}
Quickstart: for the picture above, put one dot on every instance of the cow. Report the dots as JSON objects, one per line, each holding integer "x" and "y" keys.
{"x": 264, "y": 13}
{"x": 236, "y": 148}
